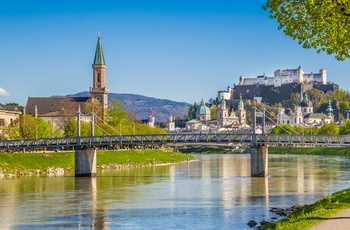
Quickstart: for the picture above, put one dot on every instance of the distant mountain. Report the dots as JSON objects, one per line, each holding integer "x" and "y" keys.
{"x": 142, "y": 105}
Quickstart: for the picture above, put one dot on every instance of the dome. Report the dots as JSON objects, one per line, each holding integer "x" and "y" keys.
{"x": 202, "y": 109}
{"x": 222, "y": 101}
{"x": 306, "y": 102}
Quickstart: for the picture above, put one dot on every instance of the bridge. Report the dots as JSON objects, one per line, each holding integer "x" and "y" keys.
{"x": 85, "y": 146}
{"x": 226, "y": 139}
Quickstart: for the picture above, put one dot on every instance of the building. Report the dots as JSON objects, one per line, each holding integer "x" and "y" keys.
{"x": 203, "y": 112}
{"x": 151, "y": 119}
{"x": 8, "y": 113}
{"x": 59, "y": 110}
{"x": 286, "y": 76}
{"x": 231, "y": 119}
{"x": 303, "y": 114}
{"x": 171, "y": 124}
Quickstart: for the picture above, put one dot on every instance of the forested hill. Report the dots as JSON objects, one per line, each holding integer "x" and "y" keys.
{"x": 141, "y": 105}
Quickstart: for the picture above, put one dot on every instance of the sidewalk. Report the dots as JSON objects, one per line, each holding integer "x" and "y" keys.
{"x": 337, "y": 222}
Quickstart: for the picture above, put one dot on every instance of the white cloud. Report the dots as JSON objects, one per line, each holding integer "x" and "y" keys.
{"x": 4, "y": 92}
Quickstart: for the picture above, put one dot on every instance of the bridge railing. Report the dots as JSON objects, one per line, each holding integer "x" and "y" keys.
{"x": 96, "y": 141}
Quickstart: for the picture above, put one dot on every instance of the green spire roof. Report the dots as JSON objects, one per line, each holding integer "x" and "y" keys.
{"x": 99, "y": 59}
{"x": 240, "y": 103}
{"x": 329, "y": 110}
{"x": 222, "y": 102}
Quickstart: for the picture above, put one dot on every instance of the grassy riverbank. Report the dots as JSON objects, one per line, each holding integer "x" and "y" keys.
{"x": 34, "y": 163}
{"x": 313, "y": 214}
{"x": 335, "y": 151}
{"x": 206, "y": 150}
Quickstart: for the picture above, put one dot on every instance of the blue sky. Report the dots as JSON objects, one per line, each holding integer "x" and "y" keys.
{"x": 182, "y": 50}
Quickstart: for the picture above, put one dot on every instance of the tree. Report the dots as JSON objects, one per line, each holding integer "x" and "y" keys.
{"x": 192, "y": 111}
{"x": 93, "y": 106}
{"x": 345, "y": 128}
{"x": 28, "y": 127}
{"x": 329, "y": 129}
{"x": 323, "y": 25}
{"x": 71, "y": 128}
{"x": 116, "y": 113}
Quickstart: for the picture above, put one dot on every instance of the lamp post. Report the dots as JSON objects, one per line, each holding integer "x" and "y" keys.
{"x": 133, "y": 124}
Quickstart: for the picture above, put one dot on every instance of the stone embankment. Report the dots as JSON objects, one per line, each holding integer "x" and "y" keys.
{"x": 49, "y": 171}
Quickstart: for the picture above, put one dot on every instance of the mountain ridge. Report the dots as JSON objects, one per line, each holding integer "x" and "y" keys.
{"x": 142, "y": 105}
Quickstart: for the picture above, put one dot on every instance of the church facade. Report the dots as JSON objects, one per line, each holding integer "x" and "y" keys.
{"x": 303, "y": 114}
{"x": 59, "y": 110}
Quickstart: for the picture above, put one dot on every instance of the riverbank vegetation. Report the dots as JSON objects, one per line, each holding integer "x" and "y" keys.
{"x": 310, "y": 215}
{"x": 37, "y": 163}
{"x": 206, "y": 150}
{"x": 120, "y": 121}
{"x": 333, "y": 151}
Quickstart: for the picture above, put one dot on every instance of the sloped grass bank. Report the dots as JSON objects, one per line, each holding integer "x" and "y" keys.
{"x": 335, "y": 151}
{"x": 206, "y": 150}
{"x": 17, "y": 164}
{"x": 310, "y": 215}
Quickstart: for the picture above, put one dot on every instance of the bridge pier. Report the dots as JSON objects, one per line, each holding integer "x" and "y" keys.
{"x": 259, "y": 160}
{"x": 85, "y": 162}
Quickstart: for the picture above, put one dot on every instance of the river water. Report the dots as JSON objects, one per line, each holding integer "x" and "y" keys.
{"x": 215, "y": 192}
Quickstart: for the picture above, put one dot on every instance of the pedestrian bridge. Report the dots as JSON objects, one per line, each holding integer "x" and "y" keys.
{"x": 176, "y": 138}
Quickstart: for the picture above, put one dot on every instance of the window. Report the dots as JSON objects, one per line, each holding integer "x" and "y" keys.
{"x": 98, "y": 77}
{"x": 2, "y": 122}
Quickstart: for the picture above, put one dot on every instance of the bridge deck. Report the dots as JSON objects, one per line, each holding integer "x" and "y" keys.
{"x": 176, "y": 138}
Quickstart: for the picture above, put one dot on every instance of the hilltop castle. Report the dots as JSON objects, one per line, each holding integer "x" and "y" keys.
{"x": 286, "y": 76}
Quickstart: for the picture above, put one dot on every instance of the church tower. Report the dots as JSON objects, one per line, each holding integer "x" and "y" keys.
{"x": 241, "y": 112}
{"x": 99, "y": 91}
{"x": 222, "y": 113}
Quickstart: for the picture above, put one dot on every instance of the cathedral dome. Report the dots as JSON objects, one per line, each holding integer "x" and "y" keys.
{"x": 202, "y": 109}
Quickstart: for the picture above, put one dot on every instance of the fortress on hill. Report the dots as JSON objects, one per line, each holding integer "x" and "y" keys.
{"x": 286, "y": 76}
{"x": 265, "y": 89}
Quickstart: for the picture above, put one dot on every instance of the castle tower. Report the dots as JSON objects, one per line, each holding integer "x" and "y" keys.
{"x": 323, "y": 74}
{"x": 300, "y": 73}
{"x": 222, "y": 113}
{"x": 99, "y": 91}
{"x": 241, "y": 112}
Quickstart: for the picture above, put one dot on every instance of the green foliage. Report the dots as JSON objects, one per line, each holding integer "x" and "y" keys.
{"x": 27, "y": 127}
{"x": 318, "y": 24}
{"x": 22, "y": 163}
{"x": 329, "y": 129}
{"x": 345, "y": 128}
{"x": 332, "y": 151}
{"x": 312, "y": 214}
{"x": 213, "y": 112}
{"x": 71, "y": 128}
{"x": 116, "y": 113}
{"x": 192, "y": 111}
{"x": 284, "y": 129}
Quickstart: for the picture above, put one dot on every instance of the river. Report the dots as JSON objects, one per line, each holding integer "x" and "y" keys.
{"x": 215, "y": 192}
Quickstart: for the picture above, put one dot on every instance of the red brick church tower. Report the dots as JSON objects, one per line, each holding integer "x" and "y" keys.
{"x": 99, "y": 91}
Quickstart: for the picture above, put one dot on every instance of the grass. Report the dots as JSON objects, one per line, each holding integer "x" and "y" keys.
{"x": 26, "y": 163}
{"x": 333, "y": 151}
{"x": 313, "y": 214}
{"x": 206, "y": 150}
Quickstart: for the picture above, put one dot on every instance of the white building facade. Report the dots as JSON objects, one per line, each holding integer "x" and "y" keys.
{"x": 286, "y": 76}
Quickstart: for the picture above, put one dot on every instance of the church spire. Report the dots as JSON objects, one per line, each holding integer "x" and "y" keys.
{"x": 99, "y": 58}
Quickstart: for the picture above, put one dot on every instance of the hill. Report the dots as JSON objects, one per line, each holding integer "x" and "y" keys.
{"x": 141, "y": 105}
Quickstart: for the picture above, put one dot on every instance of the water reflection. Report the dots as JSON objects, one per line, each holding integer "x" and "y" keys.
{"x": 215, "y": 192}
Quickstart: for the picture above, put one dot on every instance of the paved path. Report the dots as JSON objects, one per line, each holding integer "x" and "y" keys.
{"x": 338, "y": 222}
